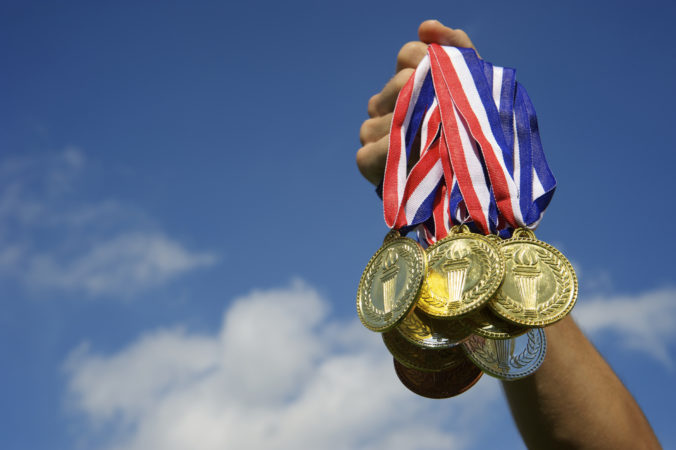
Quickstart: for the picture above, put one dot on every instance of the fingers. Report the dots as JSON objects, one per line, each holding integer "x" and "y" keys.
{"x": 374, "y": 136}
{"x": 433, "y": 31}
{"x": 383, "y": 102}
{"x": 408, "y": 59}
{"x": 374, "y": 129}
{"x": 410, "y": 55}
{"x": 371, "y": 159}
{"x": 374, "y": 133}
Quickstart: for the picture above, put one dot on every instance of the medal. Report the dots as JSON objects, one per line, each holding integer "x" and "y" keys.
{"x": 389, "y": 286}
{"x": 442, "y": 384}
{"x": 508, "y": 359}
{"x": 425, "y": 359}
{"x": 428, "y": 332}
{"x": 540, "y": 286}
{"x": 485, "y": 323}
{"x": 480, "y": 171}
{"x": 464, "y": 270}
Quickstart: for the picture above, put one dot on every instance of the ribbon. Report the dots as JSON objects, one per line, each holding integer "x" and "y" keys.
{"x": 473, "y": 131}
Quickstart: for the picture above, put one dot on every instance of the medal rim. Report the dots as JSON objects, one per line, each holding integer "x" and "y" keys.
{"x": 425, "y": 343}
{"x": 398, "y": 314}
{"x": 469, "y": 324}
{"x": 433, "y": 359}
{"x": 437, "y": 394}
{"x": 495, "y": 305}
{"x": 507, "y": 376}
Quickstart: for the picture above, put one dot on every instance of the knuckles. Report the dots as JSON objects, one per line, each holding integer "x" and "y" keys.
{"x": 372, "y": 107}
{"x": 371, "y": 162}
{"x": 362, "y": 159}
{"x": 461, "y": 33}
{"x": 410, "y": 54}
{"x": 461, "y": 39}
{"x": 367, "y": 131}
{"x": 371, "y": 158}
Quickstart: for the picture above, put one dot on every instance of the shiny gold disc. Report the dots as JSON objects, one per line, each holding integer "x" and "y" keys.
{"x": 485, "y": 323}
{"x": 426, "y": 331}
{"x": 464, "y": 270}
{"x": 442, "y": 384}
{"x": 425, "y": 359}
{"x": 540, "y": 286}
{"x": 508, "y": 359}
{"x": 389, "y": 286}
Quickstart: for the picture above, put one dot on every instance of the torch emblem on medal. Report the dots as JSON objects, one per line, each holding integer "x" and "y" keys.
{"x": 388, "y": 278}
{"x": 456, "y": 267}
{"x": 504, "y": 350}
{"x": 526, "y": 276}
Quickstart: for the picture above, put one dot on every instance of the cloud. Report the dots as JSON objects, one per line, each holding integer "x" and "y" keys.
{"x": 123, "y": 265}
{"x": 51, "y": 239}
{"x": 279, "y": 374}
{"x": 644, "y": 322}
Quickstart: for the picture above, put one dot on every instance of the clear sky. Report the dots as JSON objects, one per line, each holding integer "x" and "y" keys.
{"x": 182, "y": 224}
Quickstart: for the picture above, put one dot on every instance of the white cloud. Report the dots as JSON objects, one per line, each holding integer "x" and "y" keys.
{"x": 121, "y": 265}
{"x": 116, "y": 396}
{"x": 49, "y": 239}
{"x": 644, "y": 322}
{"x": 278, "y": 375}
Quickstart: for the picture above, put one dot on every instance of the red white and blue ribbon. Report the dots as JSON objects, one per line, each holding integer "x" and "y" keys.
{"x": 479, "y": 155}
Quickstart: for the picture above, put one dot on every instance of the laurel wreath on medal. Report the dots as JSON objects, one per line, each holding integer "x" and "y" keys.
{"x": 484, "y": 355}
{"x": 562, "y": 277}
{"x": 414, "y": 327}
{"x": 529, "y": 354}
{"x": 371, "y": 314}
{"x": 481, "y": 288}
{"x": 533, "y": 352}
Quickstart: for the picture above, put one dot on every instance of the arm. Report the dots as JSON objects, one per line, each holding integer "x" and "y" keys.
{"x": 574, "y": 400}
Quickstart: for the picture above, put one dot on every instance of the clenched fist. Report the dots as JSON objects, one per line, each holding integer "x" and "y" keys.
{"x": 375, "y": 132}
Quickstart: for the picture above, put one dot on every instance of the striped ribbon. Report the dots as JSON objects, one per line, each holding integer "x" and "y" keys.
{"x": 473, "y": 131}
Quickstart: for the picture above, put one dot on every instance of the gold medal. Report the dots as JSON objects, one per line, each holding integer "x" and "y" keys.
{"x": 485, "y": 323}
{"x": 508, "y": 359}
{"x": 464, "y": 270}
{"x": 442, "y": 384}
{"x": 425, "y": 359}
{"x": 428, "y": 332}
{"x": 540, "y": 286}
{"x": 389, "y": 286}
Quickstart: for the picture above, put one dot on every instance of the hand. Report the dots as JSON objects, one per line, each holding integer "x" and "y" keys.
{"x": 375, "y": 132}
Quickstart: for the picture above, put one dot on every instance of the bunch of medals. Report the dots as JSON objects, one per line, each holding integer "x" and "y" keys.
{"x": 466, "y": 171}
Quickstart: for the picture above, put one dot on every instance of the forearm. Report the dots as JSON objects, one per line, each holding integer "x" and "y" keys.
{"x": 575, "y": 400}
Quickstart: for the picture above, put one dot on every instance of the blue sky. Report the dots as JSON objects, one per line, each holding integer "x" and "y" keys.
{"x": 182, "y": 225}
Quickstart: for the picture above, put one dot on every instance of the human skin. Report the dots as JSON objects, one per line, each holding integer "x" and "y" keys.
{"x": 574, "y": 400}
